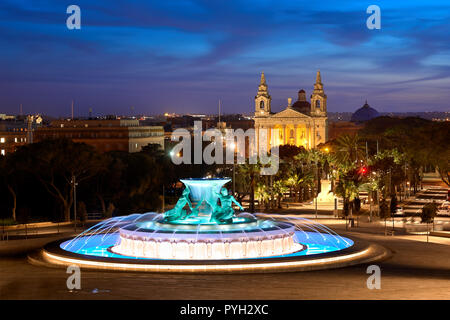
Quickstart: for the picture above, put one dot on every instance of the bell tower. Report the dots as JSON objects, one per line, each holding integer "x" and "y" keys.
{"x": 262, "y": 98}
{"x": 318, "y": 98}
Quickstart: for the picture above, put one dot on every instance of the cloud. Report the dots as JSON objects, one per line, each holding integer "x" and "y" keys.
{"x": 185, "y": 55}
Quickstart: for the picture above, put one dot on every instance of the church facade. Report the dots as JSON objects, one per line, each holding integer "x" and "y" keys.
{"x": 301, "y": 124}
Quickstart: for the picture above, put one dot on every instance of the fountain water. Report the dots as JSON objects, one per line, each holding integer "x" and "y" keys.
{"x": 201, "y": 227}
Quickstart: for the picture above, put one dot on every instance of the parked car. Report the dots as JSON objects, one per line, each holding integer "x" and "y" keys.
{"x": 444, "y": 208}
{"x": 399, "y": 211}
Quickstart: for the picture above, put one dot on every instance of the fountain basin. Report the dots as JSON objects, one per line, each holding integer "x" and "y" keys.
{"x": 207, "y": 236}
{"x": 249, "y": 238}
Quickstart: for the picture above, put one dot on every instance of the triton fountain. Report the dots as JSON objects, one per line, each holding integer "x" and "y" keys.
{"x": 202, "y": 233}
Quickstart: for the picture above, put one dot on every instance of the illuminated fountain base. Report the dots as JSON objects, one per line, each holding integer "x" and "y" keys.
{"x": 247, "y": 238}
{"x": 202, "y": 234}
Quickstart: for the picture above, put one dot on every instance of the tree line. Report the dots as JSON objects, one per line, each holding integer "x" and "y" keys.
{"x": 37, "y": 181}
{"x": 386, "y": 158}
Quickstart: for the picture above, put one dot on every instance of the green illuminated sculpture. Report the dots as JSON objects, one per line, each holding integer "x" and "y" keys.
{"x": 206, "y": 194}
{"x": 225, "y": 212}
{"x": 178, "y": 212}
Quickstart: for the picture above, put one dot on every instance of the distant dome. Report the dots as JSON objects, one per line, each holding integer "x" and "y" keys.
{"x": 301, "y": 104}
{"x": 365, "y": 113}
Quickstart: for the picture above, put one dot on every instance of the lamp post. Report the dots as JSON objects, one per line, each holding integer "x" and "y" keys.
{"x": 234, "y": 178}
{"x": 163, "y": 199}
{"x": 317, "y": 187}
{"x": 74, "y": 186}
{"x": 406, "y": 178}
{"x": 234, "y": 147}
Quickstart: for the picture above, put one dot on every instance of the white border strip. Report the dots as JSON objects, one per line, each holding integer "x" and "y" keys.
{"x": 218, "y": 267}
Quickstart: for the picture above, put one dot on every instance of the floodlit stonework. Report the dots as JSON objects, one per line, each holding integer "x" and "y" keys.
{"x": 302, "y": 124}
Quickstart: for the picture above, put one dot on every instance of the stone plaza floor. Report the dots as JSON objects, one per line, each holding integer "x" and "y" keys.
{"x": 417, "y": 270}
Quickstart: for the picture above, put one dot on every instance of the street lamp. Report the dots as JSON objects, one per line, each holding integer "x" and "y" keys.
{"x": 317, "y": 187}
{"x": 74, "y": 186}
{"x": 233, "y": 146}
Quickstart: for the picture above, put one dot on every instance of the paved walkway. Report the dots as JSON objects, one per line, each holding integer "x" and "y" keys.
{"x": 418, "y": 270}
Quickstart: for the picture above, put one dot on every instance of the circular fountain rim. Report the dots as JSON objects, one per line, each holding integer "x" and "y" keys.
{"x": 360, "y": 252}
{"x": 225, "y": 228}
{"x": 206, "y": 226}
{"x": 205, "y": 179}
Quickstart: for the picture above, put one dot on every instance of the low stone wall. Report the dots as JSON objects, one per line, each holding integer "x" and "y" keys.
{"x": 422, "y": 227}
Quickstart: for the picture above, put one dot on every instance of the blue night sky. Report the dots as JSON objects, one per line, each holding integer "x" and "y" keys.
{"x": 183, "y": 56}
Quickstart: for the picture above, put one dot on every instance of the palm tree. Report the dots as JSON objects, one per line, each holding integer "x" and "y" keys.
{"x": 314, "y": 160}
{"x": 347, "y": 189}
{"x": 301, "y": 181}
{"x": 384, "y": 213}
{"x": 279, "y": 189}
{"x": 248, "y": 174}
{"x": 262, "y": 193}
{"x": 348, "y": 149}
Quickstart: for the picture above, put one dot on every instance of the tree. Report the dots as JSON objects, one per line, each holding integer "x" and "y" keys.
{"x": 357, "y": 208}
{"x": 154, "y": 150}
{"x": 10, "y": 176}
{"x": 110, "y": 211}
{"x": 347, "y": 189}
{"x": 108, "y": 183}
{"x": 262, "y": 193}
{"x": 301, "y": 181}
{"x": 389, "y": 169}
{"x": 279, "y": 189}
{"x": 56, "y": 162}
{"x": 82, "y": 212}
{"x": 439, "y": 150}
{"x": 384, "y": 213}
{"x": 429, "y": 212}
{"x": 248, "y": 180}
{"x": 308, "y": 165}
{"x": 348, "y": 149}
{"x": 287, "y": 152}
{"x": 423, "y": 143}
{"x": 393, "y": 205}
{"x": 393, "y": 209}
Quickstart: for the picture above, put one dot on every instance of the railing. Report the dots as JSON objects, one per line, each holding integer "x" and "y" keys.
{"x": 94, "y": 215}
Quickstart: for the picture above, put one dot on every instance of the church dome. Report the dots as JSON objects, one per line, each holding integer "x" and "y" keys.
{"x": 301, "y": 105}
{"x": 365, "y": 113}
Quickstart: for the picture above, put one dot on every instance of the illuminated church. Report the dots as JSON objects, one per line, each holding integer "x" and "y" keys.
{"x": 302, "y": 123}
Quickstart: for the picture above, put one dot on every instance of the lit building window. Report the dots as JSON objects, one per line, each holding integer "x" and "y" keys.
{"x": 3, "y": 152}
{"x": 15, "y": 139}
{"x": 2, "y": 140}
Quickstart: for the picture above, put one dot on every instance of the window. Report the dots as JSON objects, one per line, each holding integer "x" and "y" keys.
{"x": 15, "y": 139}
{"x": 2, "y": 140}
{"x": 317, "y": 104}
{"x": 3, "y": 152}
{"x": 261, "y": 104}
